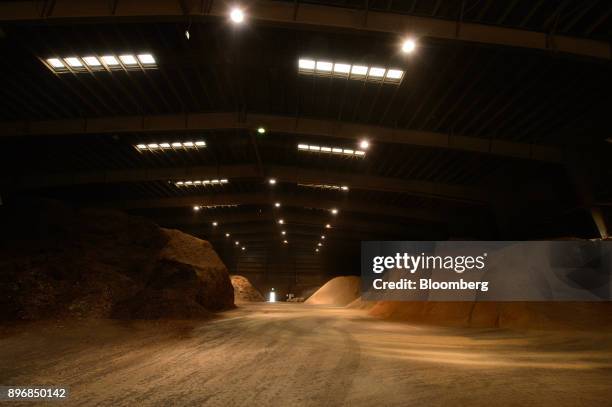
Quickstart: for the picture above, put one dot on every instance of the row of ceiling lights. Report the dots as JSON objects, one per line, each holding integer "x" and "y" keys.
{"x": 96, "y": 63}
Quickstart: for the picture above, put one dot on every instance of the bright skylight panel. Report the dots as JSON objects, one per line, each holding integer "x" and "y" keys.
{"x": 377, "y": 72}
{"x": 55, "y": 63}
{"x": 128, "y": 60}
{"x": 342, "y": 69}
{"x": 146, "y": 59}
{"x": 303, "y": 146}
{"x": 306, "y": 64}
{"x": 92, "y": 61}
{"x": 324, "y": 66}
{"x": 394, "y": 74}
{"x": 73, "y": 62}
{"x": 110, "y": 60}
{"x": 359, "y": 70}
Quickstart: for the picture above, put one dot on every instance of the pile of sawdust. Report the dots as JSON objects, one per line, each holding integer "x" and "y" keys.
{"x": 516, "y": 315}
{"x": 244, "y": 290}
{"x": 60, "y": 262}
{"x": 338, "y": 291}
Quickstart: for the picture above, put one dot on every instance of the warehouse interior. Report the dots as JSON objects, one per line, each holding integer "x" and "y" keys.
{"x": 285, "y": 133}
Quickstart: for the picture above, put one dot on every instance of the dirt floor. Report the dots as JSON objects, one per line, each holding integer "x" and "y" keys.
{"x": 296, "y": 354}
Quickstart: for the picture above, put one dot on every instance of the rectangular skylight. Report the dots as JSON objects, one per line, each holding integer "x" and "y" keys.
{"x": 331, "y": 150}
{"x": 171, "y": 146}
{"x": 206, "y": 182}
{"x": 345, "y": 70}
{"x": 108, "y": 62}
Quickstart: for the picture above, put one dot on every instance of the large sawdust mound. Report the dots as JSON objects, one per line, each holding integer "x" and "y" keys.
{"x": 244, "y": 290}
{"x": 58, "y": 262}
{"x": 516, "y": 315}
{"x": 339, "y": 291}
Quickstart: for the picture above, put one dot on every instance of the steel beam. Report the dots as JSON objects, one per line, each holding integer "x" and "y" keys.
{"x": 280, "y": 124}
{"x": 245, "y": 171}
{"x": 311, "y": 16}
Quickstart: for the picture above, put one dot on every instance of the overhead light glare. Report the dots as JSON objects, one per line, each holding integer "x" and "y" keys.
{"x": 215, "y": 224}
{"x": 334, "y": 211}
{"x": 237, "y": 15}
{"x": 408, "y": 46}
{"x": 205, "y": 182}
{"x": 328, "y": 226}
{"x": 306, "y": 64}
{"x": 166, "y": 145}
{"x": 272, "y": 181}
{"x": 105, "y": 62}
{"x": 377, "y": 72}
{"x": 110, "y": 60}
{"x": 92, "y": 61}
{"x": 277, "y": 205}
{"x": 326, "y": 186}
{"x": 281, "y": 221}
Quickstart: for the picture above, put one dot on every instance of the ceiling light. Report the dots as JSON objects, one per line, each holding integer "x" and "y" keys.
{"x": 324, "y": 66}
{"x": 166, "y": 145}
{"x": 261, "y": 130}
{"x": 128, "y": 60}
{"x": 55, "y": 63}
{"x": 342, "y": 68}
{"x": 243, "y": 248}
{"x": 110, "y": 60}
{"x": 334, "y": 211}
{"x": 377, "y": 72}
{"x": 227, "y": 235}
{"x": 344, "y": 188}
{"x": 283, "y": 233}
{"x": 285, "y": 242}
{"x": 331, "y": 150}
{"x": 73, "y": 62}
{"x": 205, "y": 182}
{"x": 306, "y": 64}
{"x": 215, "y": 224}
{"x": 319, "y": 244}
{"x": 281, "y": 221}
{"x": 316, "y": 250}
{"x": 92, "y": 61}
{"x": 272, "y": 181}
{"x": 408, "y": 46}
{"x": 359, "y": 71}
{"x": 141, "y": 146}
{"x": 187, "y": 35}
{"x": 395, "y": 74}
{"x": 328, "y": 226}
{"x": 236, "y": 243}
{"x": 153, "y": 146}
{"x": 196, "y": 208}
{"x": 323, "y": 237}
{"x": 237, "y": 15}
{"x": 146, "y": 59}
{"x": 277, "y": 204}
{"x": 364, "y": 144}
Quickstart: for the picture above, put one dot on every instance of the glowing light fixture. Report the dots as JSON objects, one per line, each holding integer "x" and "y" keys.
{"x": 196, "y": 208}
{"x": 146, "y": 59}
{"x": 283, "y": 233}
{"x": 73, "y": 62}
{"x": 243, "y": 248}
{"x": 236, "y": 243}
{"x": 237, "y": 15}
{"x": 334, "y": 211}
{"x": 272, "y": 296}
{"x": 310, "y": 66}
{"x": 215, "y": 224}
{"x": 319, "y": 244}
{"x": 261, "y": 130}
{"x": 330, "y": 150}
{"x": 285, "y": 241}
{"x": 78, "y": 64}
{"x": 277, "y": 205}
{"x": 272, "y": 181}
{"x": 55, "y": 63}
{"x": 227, "y": 235}
{"x": 205, "y": 183}
{"x": 281, "y": 221}
{"x": 128, "y": 60}
{"x": 110, "y": 60}
{"x": 328, "y": 226}
{"x": 364, "y": 144}
{"x": 323, "y": 237}
{"x": 408, "y": 46}
{"x": 316, "y": 250}
{"x": 172, "y": 146}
